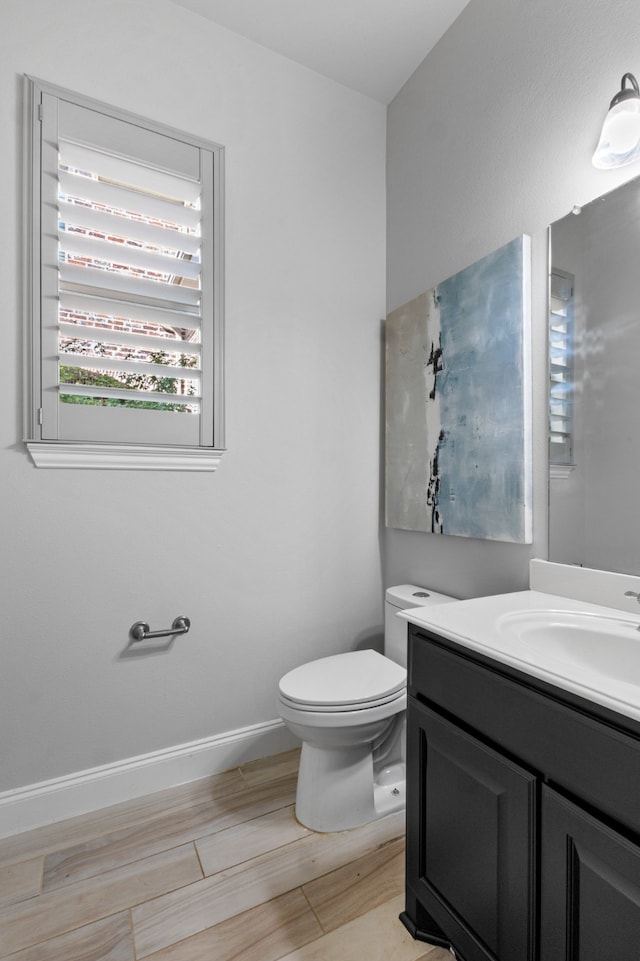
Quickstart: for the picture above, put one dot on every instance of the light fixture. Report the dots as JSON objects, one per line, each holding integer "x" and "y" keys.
{"x": 620, "y": 138}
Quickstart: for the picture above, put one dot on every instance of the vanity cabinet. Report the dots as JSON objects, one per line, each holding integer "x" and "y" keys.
{"x": 590, "y": 906}
{"x": 523, "y": 814}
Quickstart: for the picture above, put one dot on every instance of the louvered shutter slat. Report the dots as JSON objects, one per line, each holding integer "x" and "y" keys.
{"x": 145, "y": 369}
{"x": 146, "y": 396}
{"x": 103, "y": 222}
{"x": 112, "y": 282}
{"x": 148, "y": 342}
{"x": 127, "y": 255}
{"x": 99, "y": 302}
{"x": 134, "y": 174}
{"x": 119, "y": 198}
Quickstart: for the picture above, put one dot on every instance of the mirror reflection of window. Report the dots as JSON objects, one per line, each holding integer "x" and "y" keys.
{"x": 561, "y": 351}
{"x": 594, "y": 519}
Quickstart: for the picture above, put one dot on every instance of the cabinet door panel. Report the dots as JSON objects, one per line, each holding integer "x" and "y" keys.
{"x": 462, "y": 829}
{"x": 470, "y": 840}
{"x": 590, "y": 887}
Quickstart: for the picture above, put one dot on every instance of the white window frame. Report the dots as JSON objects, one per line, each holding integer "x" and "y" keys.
{"x": 117, "y": 453}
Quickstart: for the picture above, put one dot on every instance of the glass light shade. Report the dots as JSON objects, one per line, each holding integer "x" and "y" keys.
{"x": 620, "y": 138}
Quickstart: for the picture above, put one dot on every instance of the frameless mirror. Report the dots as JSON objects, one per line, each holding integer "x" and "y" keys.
{"x": 594, "y": 403}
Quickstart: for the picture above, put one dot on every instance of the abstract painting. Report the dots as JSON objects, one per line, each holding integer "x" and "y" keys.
{"x": 458, "y": 421}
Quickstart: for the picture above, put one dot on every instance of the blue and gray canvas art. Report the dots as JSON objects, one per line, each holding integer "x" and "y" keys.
{"x": 458, "y": 431}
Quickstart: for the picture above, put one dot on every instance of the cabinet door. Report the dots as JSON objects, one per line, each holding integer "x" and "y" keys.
{"x": 590, "y": 908}
{"x": 470, "y": 837}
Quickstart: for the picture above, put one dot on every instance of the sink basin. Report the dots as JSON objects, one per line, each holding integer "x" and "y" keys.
{"x": 608, "y": 645}
{"x": 589, "y": 649}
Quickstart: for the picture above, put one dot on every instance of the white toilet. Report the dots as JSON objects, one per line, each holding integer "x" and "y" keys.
{"x": 349, "y": 712}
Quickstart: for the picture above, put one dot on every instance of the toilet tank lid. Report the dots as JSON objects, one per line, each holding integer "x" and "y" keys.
{"x": 354, "y": 677}
{"x": 409, "y": 595}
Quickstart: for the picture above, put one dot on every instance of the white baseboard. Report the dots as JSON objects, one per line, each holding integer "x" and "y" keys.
{"x": 49, "y": 801}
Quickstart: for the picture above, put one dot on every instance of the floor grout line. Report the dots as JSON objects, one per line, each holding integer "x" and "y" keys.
{"x": 132, "y": 934}
{"x": 313, "y": 910}
{"x": 202, "y": 871}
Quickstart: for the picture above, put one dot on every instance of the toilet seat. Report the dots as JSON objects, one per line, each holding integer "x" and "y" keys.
{"x": 353, "y": 681}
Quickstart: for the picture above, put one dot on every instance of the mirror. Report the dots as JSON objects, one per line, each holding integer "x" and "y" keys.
{"x": 594, "y": 341}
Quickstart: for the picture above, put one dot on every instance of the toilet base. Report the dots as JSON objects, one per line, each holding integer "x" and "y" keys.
{"x": 338, "y": 788}
{"x": 389, "y": 791}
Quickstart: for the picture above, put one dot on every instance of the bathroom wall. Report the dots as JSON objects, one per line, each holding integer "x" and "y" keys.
{"x": 492, "y": 137}
{"x": 275, "y": 557}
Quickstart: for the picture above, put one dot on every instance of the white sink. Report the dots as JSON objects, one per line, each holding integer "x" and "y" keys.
{"x": 589, "y": 649}
{"x": 607, "y": 644}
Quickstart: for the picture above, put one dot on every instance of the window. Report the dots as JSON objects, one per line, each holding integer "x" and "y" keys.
{"x": 561, "y": 349}
{"x": 125, "y": 289}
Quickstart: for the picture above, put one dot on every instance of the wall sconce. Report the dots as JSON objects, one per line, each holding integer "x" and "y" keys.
{"x": 620, "y": 138}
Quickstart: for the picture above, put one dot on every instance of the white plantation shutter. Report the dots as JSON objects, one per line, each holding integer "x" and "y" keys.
{"x": 130, "y": 328}
{"x": 561, "y": 347}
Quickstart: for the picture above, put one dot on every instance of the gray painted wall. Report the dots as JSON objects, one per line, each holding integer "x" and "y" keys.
{"x": 492, "y": 137}
{"x": 275, "y": 557}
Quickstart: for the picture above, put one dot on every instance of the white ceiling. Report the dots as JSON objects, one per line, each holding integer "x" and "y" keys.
{"x": 369, "y": 45}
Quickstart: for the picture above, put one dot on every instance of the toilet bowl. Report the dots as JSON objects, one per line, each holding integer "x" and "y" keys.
{"x": 349, "y": 711}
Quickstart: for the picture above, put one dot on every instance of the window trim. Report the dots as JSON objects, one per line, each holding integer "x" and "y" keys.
{"x": 110, "y": 455}
{"x": 122, "y": 456}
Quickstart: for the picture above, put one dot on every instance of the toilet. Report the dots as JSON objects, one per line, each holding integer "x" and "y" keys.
{"x": 349, "y": 711}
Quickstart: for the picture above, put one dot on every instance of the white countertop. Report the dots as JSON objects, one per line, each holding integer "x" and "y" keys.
{"x": 481, "y": 624}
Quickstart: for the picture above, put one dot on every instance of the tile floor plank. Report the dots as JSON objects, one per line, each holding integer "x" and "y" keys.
{"x": 268, "y": 768}
{"x": 359, "y": 886}
{"x": 249, "y": 839}
{"x": 21, "y": 881}
{"x": 376, "y": 936}
{"x": 436, "y": 954}
{"x": 161, "y": 832}
{"x": 263, "y": 933}
{"x": 95, "y": 824}
{"x": 106, "y": 940}
{"x": 58, "y": 912}
{"x": 177, "y": 916}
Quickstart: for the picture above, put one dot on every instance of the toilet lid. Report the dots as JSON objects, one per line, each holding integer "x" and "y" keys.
{"x": 354, "y": 678}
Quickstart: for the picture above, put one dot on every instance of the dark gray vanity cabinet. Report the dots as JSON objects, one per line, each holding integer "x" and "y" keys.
{"x": 523, "y": 814}
{"x": 590, "y": 906}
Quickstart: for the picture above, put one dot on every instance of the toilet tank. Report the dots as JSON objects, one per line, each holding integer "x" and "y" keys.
{"x": 395, "y": 628}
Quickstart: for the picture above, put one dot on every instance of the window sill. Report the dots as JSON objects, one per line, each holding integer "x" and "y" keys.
{"x": 561, "y": 471}
{"x": 122, "y": 456}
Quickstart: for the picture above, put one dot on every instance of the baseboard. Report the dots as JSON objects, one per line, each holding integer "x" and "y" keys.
{"x": 35, "y": 805}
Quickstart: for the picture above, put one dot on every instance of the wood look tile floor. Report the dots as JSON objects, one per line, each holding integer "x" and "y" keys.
{"x": 217, "y": 870}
